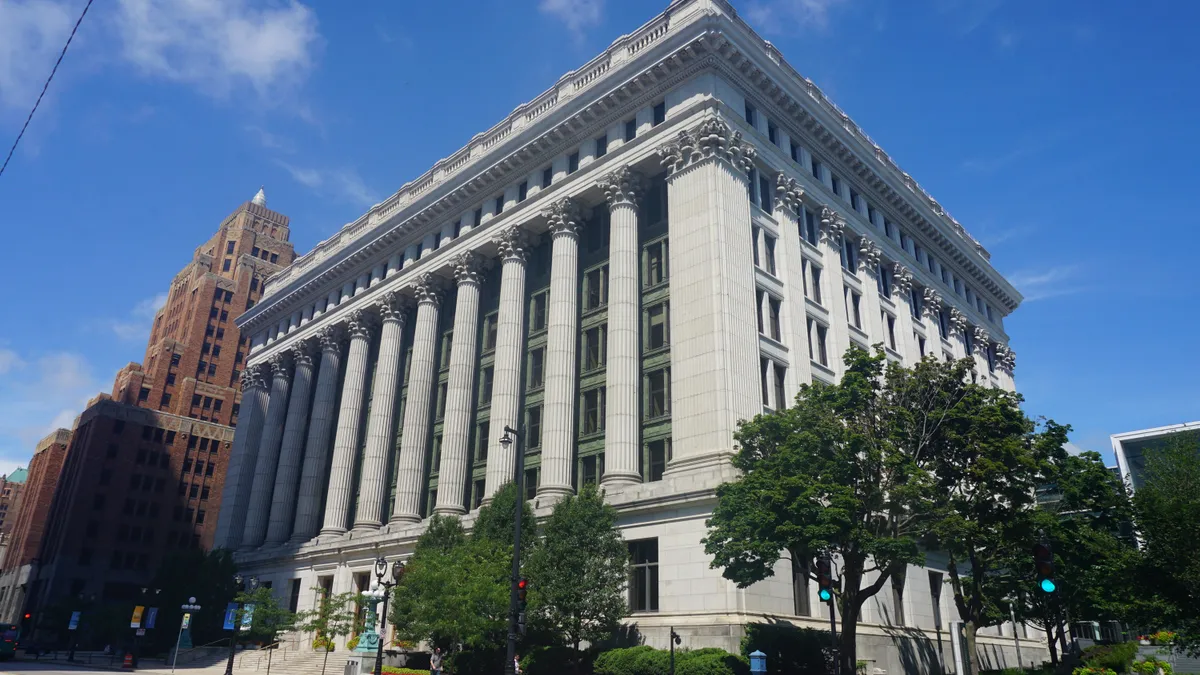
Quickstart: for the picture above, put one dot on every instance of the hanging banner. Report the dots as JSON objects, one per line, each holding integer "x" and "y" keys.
{"x": 247, "y": 616}
{"x": 136, "y": 621}
{"x": 74, "y": 621}
{"x": 230, "y": 615}
{"x": 151, "y": 617}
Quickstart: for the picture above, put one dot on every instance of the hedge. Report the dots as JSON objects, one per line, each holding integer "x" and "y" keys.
{"x": 645, "y": 660}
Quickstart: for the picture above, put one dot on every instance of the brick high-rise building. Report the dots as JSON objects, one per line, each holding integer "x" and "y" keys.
{"x": 11, "y": 487}
{"x": 144, "y": 467}
{"x": 29, "y": 520}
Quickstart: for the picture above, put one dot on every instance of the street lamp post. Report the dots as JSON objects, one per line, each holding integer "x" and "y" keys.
{"x": 189, "y": 606}
{"x": 518, "y": 479}
{"x": 386, "y": 585}
{"x": 137, "y": 652}
{"x": 240, "y": 584}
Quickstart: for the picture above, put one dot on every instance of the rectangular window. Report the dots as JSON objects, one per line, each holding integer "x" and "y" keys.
{"x": 537, "y": 368}
{"x": 816, "y": 342}
{"x": 751, "y": 115}
{"x": 853, "y": 308}
{"x": 769, "y": 253}
{"x": 855, "y": 200}
{"x": 808, "y": 227}
{"x": 595, "y": 288}
{"x": 904, "y": 240}
{"x": 498, "y": 205}
{"x": 800, "y": 599}
{"x": 657, "y": 326}
{"x": 772, "y": 132}
{"x": 601, "y": 146}
{"x": 889, "y": 230}
{"x": 481, "y": 441}
{"x": 657, "y": 459}
{"x": 547, "y": 176}
{"x": 593, "y": 411}
{"x": 573, "y": 162}
{"x": 780, "y": 395}
{"x": 773, "y": 307}
{"x": 656, "y": 264}
{"x": 765, "y": 192}
{"x": 815, "y": 167}
{"x": 490, "y": 327}
{"x": 229, "y": 247}
{"x": 915, "y": 302}
{"x": 166, "y": 399}
{"x": 531, "y": 483}
{"x": 447, "y": 348}
{"x": 440, "y": 406}
{"x": 815, "y": 286}
{"x": 883, "y": 281}
{"x": 436, "y": 460}
{"x": 643, "y": 575}
{"x": 477, "y": 494}
{"x": 898, "y": 597}
{"x": 533, "y": 427}
{"x": 754, "y": 235}
{"x": 889, "y": 323}
{"x": 920, "y": 343}
{"x": 630, "y": 129}
{"x": 225, "y": 265}
{"x": 759, "y": 296}
{"x": 144, "y": 393}
{"x": 849, "y": 255}
{"x": 537, "y": 311}
{"x": 943, "y": 323}
{"x": 658, "y": 392}
{"x": 660, "y": 113}
{"x": 764, "y": 372}
{"x": 477, "y": 217}
{"x": 935, "y": 596}
{"x": 523, "y": 191}
{"x": 595, "y": 348}
{"x": 589, "y": 470}
{"x": 486, "y": 376}
{"x": 837, "y": 185}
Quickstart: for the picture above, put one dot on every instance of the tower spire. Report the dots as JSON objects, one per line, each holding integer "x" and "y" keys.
{"x": 260, "y": 198}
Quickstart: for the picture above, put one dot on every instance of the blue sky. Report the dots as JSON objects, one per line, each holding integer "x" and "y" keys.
{"x": 1062, "y": 134}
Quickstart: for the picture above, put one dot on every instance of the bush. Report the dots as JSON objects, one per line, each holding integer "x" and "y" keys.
{"x": 1151, "y": 665}
{"x": 322, "y": 643}
{"x": 789, "y": 649}
{"x": 393, "y": 670}
{"x": 555, "y": 660}
{"x": 1116, "y": 658}
{"x": 1089, "y": 670}
{"x": 710, "y": 662}
{"x": 650, "y": 661}
{"x": 352, "y": 643}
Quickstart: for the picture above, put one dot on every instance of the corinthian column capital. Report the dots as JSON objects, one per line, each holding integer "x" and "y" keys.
{"x": 982, "y": 340}
{"x": 565, "y": 216}
{"x": 958, "y": 321}
{"x": 468, "y": 268}
{"x": 513, "y": 243}
{"x": 252, "y": 378}
{"x": 428, "y": 289}
{"x": 933, "y": 302}
{"x": 868, "y": 256}
{"x": 392, "y": 307}
{"x": 281, "y": 365}
{"x": 711, "y": 139}
{"x": 623, "y": 186}
{"x": 360, "y": 323}
{"x": 787, "y": 191}
{"x": 330, "y": 337}
{"x": 902, "y": 278}
{"x": 833, "y": 225}
{"x": 302, "y": 353}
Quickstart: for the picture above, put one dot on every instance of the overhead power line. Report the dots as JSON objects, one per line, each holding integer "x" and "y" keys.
{"x": 45, "y": 87}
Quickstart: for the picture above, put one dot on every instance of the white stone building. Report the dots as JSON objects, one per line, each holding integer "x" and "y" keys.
{"x": 669, "y": 240}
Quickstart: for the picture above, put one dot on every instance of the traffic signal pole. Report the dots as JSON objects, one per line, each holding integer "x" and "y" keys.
{"x": 513, "y": 599}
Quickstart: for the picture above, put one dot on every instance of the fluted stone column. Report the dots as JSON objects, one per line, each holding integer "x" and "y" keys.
{"x": 833, "y": 228}
{"x": 510, "y": 352}
{"x": 623, "y": 373}
{"x": 456, "y": 430}
{"x": 374, "y": 481}
{"x": 869, "y": 255}
{"x": 906, "y": 342}
{"x": 287, "y": 476}
{"x": 268, "y": 453}
{"x": 316, "y": 447}
{"x": 345, "y": 442}
{"x": 789, "y": 197}
{"x": 931, "y": 304}
{"x": 958, "y": 334}
{"x": 558, "y": 436}
{"x": 410, "y": 470}
{"x": 981, "y": 342}
{"x": 239, "y": 476}
{"x": 1007, "y": 364}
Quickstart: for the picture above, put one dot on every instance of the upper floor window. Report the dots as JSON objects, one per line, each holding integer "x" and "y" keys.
{"x": 537, "y": 311}
{"x": 808, "y": 226}
{"x": 499, "y": 207}
{"x": 655, "y": 271}
{"x": 602, "y": 146}
{"x": 537, "y": 368}
{"x": 849, "y": 255}
{"x": 769, "y": 253}
{"x": 855, "y": 200}
{"x": 630, "y": 129}
{"x": 523, "y": 191}
{"x": 815, "y": 167}
{"x": 772, "y": 132}
{"x": 573, "y": 162}
{"x": 657, "y": 329}
{"x": 751, "y": 115}
{"x": 595, "y": 288}
{"x": 794, "y": 152}
{"x": 883, "y": 281}
{"x": 660, "y": 113}
{"x": 490, "y": 326}
{"x": 547, "y": 176}
{"x": 837, "y": 185}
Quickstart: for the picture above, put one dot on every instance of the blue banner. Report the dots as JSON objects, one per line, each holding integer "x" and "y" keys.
{"x": 247, "y": 616}
{"x": 230, "y": 615}
{"x": 74, "y": 621}
{"x": 151, "y": 616}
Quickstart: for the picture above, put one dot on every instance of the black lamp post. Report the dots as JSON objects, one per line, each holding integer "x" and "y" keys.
{"x": 136, "y": 641}
{"x": 240, "y": 584}
{"x": 518, "y": 479}
{"x": 387, "y": 584}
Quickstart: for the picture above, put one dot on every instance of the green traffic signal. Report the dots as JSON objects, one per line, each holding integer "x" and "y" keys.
{"x": 1048, "y": 585}
{"x": 825, "y": 595}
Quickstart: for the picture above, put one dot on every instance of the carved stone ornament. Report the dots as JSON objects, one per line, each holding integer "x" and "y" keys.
{"x": 281, "y": 366}
{"x": 902, "y": 279}
{"x": 252, "y": 378}
{"x": 623, "y": 186}
{"x": 711, "y": 139}
{"x": 330, "y": 338}
{"x": 1007, "y": 357}
{"x": 833, "y": 225}
{"x": 958, "y": 321}
{"x": 359, "y": 324}
{"x": 787, "y": 191}
{"x": 428, "y": 289}
{"x": 468, "y": 268}
{"x": 565, "y": 217}
{"x": 302, "y": 353}
{"x": 868, "y": 255}
{"x": 391, "y": 307}
{"x": 982, "y": 340}
{"x": 933, "y": 302}
{"x": 513, "y": 244}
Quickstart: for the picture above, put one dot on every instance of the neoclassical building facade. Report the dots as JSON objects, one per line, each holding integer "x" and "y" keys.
{"x": 671, "y": 239}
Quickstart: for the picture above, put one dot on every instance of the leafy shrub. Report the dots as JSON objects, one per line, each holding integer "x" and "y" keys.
{"x": 554, "y": 660}
{"x": 789, "y": 649}
{"x": 710, "y": 661}
{"x": 1151, "y": 665}
{"x": 1089, "y": 670}
{"x": 1116, "y": 658}
{"x": 322, "y": 643}
{"x": 393, "y": 670}
{"x": 640, "y": 660}
{"x": 352, "y": 643}
{"x": 1163, "y": 637}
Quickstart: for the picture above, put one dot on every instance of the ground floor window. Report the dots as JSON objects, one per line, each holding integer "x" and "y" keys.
{"x": 643, "y": 575}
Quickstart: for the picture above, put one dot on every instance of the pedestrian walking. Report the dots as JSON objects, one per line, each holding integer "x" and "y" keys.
{"x": 435, "y": 662}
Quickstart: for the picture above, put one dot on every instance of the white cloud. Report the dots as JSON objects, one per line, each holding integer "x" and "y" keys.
{"x": 1048, "y": 283}
{"x": 576, "y": 14}
{"x": 137, "y": 325}
{"x": 344, "y": 183}
{"x": 269, "y": 140}
{"x": 9, "y": 360}
{"x": 38, "y": 395}
{"x": 220, "y": 44}
{"x": 32, "y": 33}
{"x": 780, "y": 16}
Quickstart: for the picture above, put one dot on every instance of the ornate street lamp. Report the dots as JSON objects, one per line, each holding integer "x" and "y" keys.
{"x": 240, "y": 584}
{"x": 506, "y": 441}
{"x": 383, "y": 591}
{"x": 188, "y": 607}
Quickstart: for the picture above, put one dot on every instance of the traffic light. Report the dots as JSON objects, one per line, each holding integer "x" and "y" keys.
{"x": 1043, "y": 561}
{"x": 824, "y": 579}
{"x": 522, "y": 589}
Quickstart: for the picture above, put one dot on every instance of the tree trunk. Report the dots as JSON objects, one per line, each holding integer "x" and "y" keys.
{"x": 325, "y": 661}
{"x": 969, "y": 631}
{"x": 1052, "y": 644}
{"x": 847, "y": 642}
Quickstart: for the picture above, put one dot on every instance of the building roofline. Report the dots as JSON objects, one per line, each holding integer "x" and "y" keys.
{"x": 1156, "y": 431}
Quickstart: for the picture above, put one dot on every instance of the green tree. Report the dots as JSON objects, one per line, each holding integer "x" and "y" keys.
{"x": 1167, "y": 507}
{"x": 988, "y": 459}
{"x": 839, "y": 473}
{"x": 332, "y": 618}
{"x": 208, "y": 577}
{"x": 267, "y": 618}
{"x": 580, "y": 569}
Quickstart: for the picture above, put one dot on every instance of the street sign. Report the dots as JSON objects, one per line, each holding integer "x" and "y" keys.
{"x": 74, "y": 621}
{"x": 136, "y": 621}
{"x": 247, "y": 616}
{"x": 187, "y": 620}
{"x": 151, "y": 617}
{"x": 141, "y": 632}
{"x": 230, "y": 615}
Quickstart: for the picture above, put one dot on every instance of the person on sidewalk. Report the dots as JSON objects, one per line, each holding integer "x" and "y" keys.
{"x": 435, "y": 662}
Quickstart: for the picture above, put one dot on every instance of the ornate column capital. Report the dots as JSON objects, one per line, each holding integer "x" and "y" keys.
{"x": 513, "y": 243}
{"x": 833, "y": 225}
{"x": 902, "y": 278}
{"x": 428, "y": 289}
{"x": 252, "y": 378}
{"x": 330, "y": 337}
{"x": 623, "y": 186}
{"x": 711, "y": 139}
{"x": 468, "y": 268}
{"x": 281, "y": 365}
{"x": 565, "y": 216}
{"x": 868, "y": 256}
{"x": 303, "y": 352}
{"x": 1007, "y": 358}
{"x": 392, "y": 307}
{"x": 982, "y": 340}
{"x": 359, "y": 324}
{"x": 933, "y": 302}
{"x": 958, "y": 321}
{"x": 787, "y": 191}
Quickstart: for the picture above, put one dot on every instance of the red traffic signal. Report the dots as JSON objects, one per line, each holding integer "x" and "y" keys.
{"x": 522, "y": 590}
{"x": 28, "y": 615}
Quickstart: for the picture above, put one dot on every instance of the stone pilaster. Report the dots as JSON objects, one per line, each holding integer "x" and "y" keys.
{"x": 790, "y": 253}
{"x": 558, "y": 437}
{"x": 316, "y": 446}
{"x": 349, "y": 425}
{"x": 414, "y": 443}
{"x": 981, "y": 341}
{"x": 1006, "y": 362}
{"x": 239, "y": 475}
{"x": 833, "y": 229}
{"x": 268, "y": 453}
{"x": 374, "y": 482}
{"x": 291, "y": 455}
{"x": 869, "y": 256}
{"x": 623, "y": 189}
{"x": 906, "y": 342}
{"x": 510, "y": 352}
{"x": 456, "y": 431}
{"x": 958, "y": 333}
{"x": 714, "y": 350}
